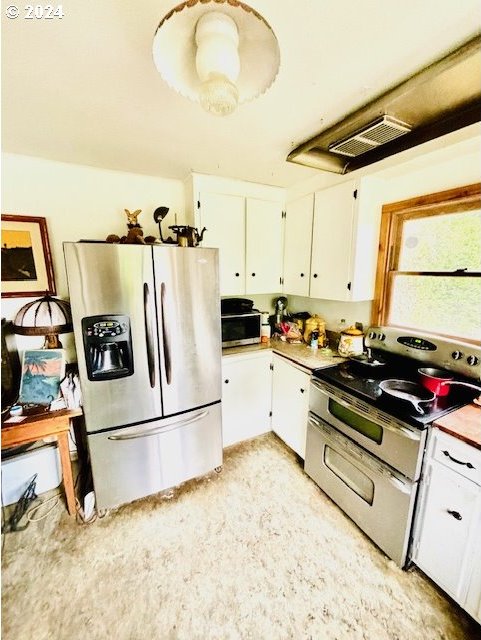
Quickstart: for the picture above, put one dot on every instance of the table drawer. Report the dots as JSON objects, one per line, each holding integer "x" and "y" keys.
{"x": 457, "y": 455}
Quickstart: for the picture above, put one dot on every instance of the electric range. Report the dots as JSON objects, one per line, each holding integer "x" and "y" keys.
{"x": 404, "y": 353}
{"x": 364, "y": 448}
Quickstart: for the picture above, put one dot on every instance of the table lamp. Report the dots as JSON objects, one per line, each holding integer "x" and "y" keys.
{"x": 47, "y": 316}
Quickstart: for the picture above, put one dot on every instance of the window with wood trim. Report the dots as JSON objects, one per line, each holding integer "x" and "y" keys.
{"x": 429, "y": 264}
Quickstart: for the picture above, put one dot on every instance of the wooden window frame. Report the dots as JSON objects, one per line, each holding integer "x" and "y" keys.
{"x": 467, "y": 198}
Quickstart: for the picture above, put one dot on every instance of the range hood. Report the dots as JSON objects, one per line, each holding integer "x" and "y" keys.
{"x": 443, "y": 97}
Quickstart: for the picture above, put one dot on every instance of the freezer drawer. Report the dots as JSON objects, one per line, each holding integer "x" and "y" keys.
{"x": 137, "y": 461}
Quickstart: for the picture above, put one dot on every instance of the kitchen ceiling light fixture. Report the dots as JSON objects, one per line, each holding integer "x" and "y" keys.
{"x": 47, "y": 317}
{"x": 220, "y": 53}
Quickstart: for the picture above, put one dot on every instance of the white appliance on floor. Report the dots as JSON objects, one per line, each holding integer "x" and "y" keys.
{"x": 19, "y": 469}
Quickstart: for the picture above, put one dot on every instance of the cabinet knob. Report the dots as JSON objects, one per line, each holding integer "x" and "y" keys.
{"x": 302, "y": 390}
{"x": 253, "y": 274}
{"x": 226, "y": 381}
{"x": 302, "y": 275}
{"x": 315, "y": 275}
{"x": 237, "y": 275}
{"x": 455, "y": 514}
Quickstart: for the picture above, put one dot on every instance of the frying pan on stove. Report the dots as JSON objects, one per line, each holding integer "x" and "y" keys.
{"x": 408, "y": 391}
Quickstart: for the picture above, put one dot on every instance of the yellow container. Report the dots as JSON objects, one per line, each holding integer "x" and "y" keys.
{"x": 315, "y": 323}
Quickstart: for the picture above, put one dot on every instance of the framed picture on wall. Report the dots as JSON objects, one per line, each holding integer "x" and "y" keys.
{"x": 27, "y": 269}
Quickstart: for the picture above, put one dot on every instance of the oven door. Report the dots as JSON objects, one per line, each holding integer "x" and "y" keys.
{"x": 377, "y": 498}
{"x": 396, "y": 443}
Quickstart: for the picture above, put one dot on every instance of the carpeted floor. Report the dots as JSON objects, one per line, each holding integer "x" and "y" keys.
{"x": 256, "y": 552}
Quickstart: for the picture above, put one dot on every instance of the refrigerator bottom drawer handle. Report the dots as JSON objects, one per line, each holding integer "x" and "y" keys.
{"x": 157, "y": 430}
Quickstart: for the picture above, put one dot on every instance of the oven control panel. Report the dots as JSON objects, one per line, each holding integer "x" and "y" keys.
{"x": 463, "y": 359}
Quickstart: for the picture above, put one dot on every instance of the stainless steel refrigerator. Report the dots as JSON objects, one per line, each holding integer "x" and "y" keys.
{"x": 148, "y": 339}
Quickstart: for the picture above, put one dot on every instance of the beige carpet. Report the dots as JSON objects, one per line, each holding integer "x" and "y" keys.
{"x": 257, "y": 552}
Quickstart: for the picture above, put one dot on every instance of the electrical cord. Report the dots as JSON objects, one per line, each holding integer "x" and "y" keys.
{"x": 34, "y": 509}
{"x": 80, "y": 514}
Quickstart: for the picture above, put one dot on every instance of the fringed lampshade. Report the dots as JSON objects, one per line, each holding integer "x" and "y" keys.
{"x": 47, "y": 317}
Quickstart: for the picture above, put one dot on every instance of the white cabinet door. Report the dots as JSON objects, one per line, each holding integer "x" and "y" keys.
{"x": 297, "y": 246}
{"x": 334, "y": 210}
{"x": 290, "y": 404}
{"x": 224, "y": 217}
{"x": 263, "y": 246}
{"x": 473, "y": 597}
{"x": 246, "y": 396}
{"x": 447, "y": 515}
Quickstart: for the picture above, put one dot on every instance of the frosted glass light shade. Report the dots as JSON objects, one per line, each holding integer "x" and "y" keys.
{"x": 217, "y": 62}
{"x": 187, "y": 45}
{"x": 218, "y": 95}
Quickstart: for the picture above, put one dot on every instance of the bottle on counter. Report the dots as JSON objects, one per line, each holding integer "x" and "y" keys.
{"x": 314, "y": 339}
{"x": 265, "y": 327}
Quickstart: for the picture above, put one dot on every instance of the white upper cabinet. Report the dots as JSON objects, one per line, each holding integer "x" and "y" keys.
{"x": 244, "y": 221}
{"x": 263, "y": 246}
{"x": 337, "y": 252}
{"x": 297, "y": 246}
{"x": 331, "y": 242}
{"x": 224, "y": 218}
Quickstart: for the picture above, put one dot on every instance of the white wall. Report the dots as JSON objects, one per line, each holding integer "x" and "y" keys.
{"x": 81, "y": 202}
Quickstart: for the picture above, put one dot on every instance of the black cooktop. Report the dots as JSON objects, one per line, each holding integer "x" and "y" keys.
{"x": 364, "y": 384}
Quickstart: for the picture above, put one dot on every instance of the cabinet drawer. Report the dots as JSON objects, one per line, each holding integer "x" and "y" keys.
{"x": 457, "y": 455}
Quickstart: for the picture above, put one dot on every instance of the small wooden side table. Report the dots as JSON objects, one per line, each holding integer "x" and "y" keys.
{"x": 52, "y": 423}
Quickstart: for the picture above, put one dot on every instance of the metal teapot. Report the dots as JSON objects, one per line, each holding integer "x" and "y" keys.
{"x": 187, "y": 236}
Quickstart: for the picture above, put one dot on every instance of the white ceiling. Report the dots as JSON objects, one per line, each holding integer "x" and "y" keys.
{"x": 84, "y": 89}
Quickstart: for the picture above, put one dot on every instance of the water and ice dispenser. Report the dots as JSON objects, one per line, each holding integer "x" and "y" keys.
{"x": 108, "y": 347}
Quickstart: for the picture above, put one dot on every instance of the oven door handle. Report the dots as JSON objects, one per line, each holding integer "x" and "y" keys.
{"x": 412, "y": 435}
{"x": 399, "y": 484}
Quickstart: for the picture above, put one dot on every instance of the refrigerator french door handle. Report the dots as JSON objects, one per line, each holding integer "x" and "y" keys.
{"x": 148, "y": 335}
{"x": 165, "y": 336}
{"x": 156, "y": 430}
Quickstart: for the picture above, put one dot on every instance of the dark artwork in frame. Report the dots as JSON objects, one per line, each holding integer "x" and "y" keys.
{"x": 27, "y": 269}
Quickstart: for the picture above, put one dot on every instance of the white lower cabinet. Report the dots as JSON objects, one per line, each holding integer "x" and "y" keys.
{"x": 447, "y": 536}
{"x": 246, "y": 396}
{"x": 290, "y": 403}
{"x": 473, "y": 595}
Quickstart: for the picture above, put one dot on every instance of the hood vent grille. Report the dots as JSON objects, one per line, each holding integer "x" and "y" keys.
{"x": 376, "y": 133}
{"x": 440, "y": 98}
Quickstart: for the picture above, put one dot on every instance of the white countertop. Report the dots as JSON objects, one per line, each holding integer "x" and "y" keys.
{"x": 300, "y": 354}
